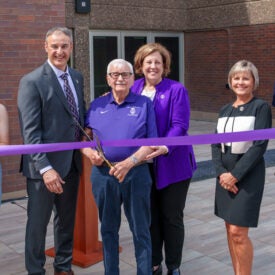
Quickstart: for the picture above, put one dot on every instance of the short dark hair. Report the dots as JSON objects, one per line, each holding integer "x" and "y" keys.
{"x": 64, "y": 30}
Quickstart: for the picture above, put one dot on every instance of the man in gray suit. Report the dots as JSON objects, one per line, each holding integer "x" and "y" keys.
{"x": 45, "y": 99}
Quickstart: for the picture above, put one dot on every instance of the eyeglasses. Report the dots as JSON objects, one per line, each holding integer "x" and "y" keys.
{"x": 124, "y": 75}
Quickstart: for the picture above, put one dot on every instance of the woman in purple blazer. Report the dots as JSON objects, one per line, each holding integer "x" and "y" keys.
{"x": 173, "y": 171}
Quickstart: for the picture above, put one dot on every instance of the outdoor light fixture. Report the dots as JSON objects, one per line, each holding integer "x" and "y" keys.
{"x": 82, "y": 6}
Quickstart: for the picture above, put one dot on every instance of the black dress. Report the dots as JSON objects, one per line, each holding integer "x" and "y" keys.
{"x": 245, "y": 162}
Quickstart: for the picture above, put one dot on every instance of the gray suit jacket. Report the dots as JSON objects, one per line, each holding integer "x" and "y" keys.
{"x": 45, "y": 118}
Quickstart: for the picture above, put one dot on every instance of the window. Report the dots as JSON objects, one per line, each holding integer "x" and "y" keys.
{"x": 108, "y": 45}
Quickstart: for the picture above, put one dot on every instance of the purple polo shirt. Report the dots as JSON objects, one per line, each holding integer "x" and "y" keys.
{"x": 134, "y": 118}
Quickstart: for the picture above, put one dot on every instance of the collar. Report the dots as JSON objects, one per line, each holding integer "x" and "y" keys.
{"x": 158, "y": 87}
{"x": 57, "y": 71}
{"x": 129, "y": 98}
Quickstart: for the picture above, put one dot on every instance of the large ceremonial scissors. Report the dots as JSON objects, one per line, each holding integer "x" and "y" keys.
{"x": 98, "y": 146}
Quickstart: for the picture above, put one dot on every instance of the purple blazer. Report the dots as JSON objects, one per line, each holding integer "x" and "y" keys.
{"x": 172, "y": 109}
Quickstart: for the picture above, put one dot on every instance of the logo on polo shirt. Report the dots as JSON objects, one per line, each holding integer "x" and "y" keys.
{"x": 104, "y": 111}
{"x": 132, "y": 111}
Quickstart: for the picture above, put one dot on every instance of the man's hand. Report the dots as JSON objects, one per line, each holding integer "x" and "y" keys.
{"x": 53, "y": 181}
{"x": 121, "y": 169}
{"x": 93, "y": 156}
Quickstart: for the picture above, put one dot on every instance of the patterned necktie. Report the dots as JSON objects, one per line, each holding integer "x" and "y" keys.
{"x": 71, "y": 102}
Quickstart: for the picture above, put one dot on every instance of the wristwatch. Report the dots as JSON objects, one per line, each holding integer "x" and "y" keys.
{"x": 134, "y": 159}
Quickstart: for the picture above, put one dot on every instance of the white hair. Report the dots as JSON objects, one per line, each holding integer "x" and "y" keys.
{"x": 119, "y": 63}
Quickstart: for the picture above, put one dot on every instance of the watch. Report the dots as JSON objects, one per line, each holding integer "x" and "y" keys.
{"x": 134, "y": 159}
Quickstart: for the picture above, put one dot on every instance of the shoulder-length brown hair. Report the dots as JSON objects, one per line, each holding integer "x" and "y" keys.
{"x": 148, "y": 49}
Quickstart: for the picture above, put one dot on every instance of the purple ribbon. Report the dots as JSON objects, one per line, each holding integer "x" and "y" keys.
{"x": 263, "y": 134}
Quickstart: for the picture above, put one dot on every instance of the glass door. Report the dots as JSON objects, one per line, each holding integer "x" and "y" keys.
{"x": 172, "y": 45}
{"x": 131, "y": 45}
{"x": 108, "y": 45}
{"x": 105, "y": 48}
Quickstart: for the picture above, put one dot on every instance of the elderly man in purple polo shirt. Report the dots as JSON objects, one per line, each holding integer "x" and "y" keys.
{"x": 122, "y": 115}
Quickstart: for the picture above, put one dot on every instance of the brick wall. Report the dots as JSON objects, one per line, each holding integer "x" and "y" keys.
{"x": 23, "y": 27}
{"x": 210, "y": 54}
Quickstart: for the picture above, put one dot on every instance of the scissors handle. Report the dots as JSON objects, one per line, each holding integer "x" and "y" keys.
{"x": 98, "y": 148}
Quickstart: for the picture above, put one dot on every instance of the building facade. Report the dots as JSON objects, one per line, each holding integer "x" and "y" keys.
{"x": 205, "y": 37}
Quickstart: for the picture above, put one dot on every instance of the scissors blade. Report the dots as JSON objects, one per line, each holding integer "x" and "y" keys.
{"x": 100, "y": 151}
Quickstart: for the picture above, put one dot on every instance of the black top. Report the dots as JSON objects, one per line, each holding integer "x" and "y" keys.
{"x": 244, "y": 160}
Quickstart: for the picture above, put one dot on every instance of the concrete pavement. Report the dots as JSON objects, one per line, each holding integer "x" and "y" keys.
{"x": 205, "y": 250}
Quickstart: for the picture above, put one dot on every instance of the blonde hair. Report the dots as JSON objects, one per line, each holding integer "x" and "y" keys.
{"x": 244, "y": 66}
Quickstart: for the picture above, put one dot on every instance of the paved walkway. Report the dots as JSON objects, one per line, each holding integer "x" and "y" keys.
{"x": 205, "y": 250}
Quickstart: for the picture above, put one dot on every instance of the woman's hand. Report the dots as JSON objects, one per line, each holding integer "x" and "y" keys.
{"x": 228, "y": 182}
{"x": 157, "y": 151}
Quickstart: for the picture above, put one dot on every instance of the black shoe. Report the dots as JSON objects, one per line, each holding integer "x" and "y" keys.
{"x": 173, "y": 272}
{"x": 158, "y": 271}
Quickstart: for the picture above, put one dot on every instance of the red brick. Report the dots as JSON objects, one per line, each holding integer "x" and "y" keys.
{"x": 23, "y": 27}
{"x": 210, "y": 54}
